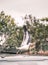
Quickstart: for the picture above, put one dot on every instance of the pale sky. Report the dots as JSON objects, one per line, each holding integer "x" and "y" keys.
{"x": 18, "y": 8}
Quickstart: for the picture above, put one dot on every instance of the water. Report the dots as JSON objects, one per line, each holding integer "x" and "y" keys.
{"x": 18, "y": 63}
{"x": 24, "y": 60}
{"x": 24, "y": 63}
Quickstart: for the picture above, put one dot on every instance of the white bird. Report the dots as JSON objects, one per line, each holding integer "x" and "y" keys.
{"x": 26, "y": 41}
{"x": 24, "y": 45}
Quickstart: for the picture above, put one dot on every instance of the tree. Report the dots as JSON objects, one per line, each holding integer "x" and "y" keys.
{"x": 7, "y": 27}
{"x": 38, "y": 32}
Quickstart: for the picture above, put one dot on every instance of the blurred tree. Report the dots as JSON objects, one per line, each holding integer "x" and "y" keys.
{"x": 38, "y": 32}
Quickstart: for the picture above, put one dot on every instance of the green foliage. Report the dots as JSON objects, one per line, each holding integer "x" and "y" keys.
{"x": 38, "y": 31}
{"x": 13, "y": 34}
{"x": 44, "y": 19}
